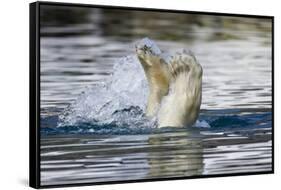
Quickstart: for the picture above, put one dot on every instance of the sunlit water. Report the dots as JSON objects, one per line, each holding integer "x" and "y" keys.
{"x": 93, "y": 94}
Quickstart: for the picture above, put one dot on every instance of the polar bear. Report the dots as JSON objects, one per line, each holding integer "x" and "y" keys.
{"x": 175, "y": 85}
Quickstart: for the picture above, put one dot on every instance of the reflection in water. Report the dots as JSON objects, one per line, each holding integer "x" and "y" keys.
{"x": 79, "y": 47}
{"x": 68, "y": 159}
{"x": 176, "y": 155}
{"x": 75, "y": 159}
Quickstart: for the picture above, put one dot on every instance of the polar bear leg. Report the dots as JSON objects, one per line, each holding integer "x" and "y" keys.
{"x": 158, "y": 77}
{"x": 181, "y": 106}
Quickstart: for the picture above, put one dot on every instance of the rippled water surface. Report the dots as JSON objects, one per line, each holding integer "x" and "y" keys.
{"x": 84, "y": 51}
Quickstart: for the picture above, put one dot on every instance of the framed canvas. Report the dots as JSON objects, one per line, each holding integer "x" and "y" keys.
{"x": 120, "y": 94}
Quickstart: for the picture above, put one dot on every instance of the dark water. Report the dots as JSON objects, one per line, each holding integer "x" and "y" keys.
{"x": 234, "y": 132}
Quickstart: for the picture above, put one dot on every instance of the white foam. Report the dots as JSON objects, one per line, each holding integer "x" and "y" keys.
{"x": 202, "y": 124}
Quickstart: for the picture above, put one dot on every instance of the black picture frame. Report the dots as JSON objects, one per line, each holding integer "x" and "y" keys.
{"x": 34, "y": 92}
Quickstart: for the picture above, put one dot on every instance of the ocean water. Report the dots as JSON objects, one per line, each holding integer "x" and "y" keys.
{"x": 93, "y": 93}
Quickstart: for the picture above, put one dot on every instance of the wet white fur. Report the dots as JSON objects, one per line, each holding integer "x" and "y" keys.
{"x": 182, "y": 104}
{"x": 175, "y": 87}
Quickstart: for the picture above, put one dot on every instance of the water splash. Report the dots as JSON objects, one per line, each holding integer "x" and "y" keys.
{"x": 120, "y": 100}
